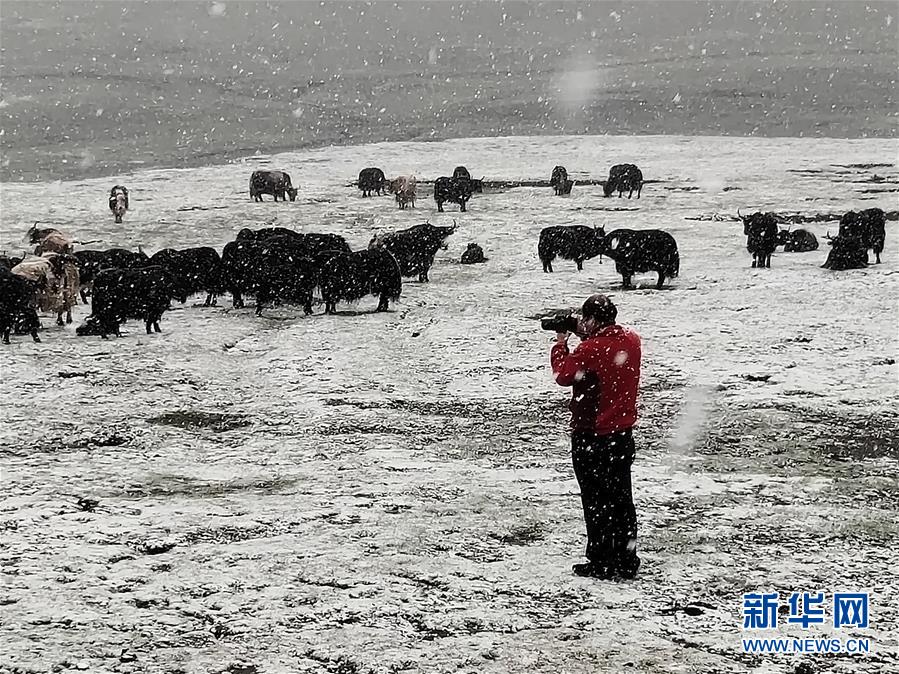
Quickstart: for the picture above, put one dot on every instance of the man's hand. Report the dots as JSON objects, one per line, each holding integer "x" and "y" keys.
{"x": 562, "y": 338}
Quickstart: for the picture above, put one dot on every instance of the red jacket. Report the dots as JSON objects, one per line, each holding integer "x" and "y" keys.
{"x": 604, "y": 371}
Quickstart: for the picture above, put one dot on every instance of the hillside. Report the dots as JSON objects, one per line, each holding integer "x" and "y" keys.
{"x": 98, "y": 88}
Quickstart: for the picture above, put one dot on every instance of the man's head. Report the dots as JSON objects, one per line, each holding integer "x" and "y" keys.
{"x": 598, "y": 312}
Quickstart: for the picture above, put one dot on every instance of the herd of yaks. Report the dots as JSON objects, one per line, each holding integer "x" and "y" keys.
{"x": 280, "y": 265}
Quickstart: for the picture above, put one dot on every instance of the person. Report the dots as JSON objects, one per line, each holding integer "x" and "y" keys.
{"x": 604, "y": 373}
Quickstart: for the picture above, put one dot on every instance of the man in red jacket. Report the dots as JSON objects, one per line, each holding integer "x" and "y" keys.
{"x": 604, "y": 373}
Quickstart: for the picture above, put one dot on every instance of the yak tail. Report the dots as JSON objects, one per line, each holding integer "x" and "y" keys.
{"x": 675, "y": 267}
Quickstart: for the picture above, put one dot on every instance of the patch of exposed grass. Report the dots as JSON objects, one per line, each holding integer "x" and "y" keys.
{"x": 193, "y": 419}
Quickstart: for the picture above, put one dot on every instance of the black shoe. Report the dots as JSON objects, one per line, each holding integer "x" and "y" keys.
{"x": 591, "y": 570}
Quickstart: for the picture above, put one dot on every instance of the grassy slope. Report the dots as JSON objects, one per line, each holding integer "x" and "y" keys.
{"x": 98, "y": 89}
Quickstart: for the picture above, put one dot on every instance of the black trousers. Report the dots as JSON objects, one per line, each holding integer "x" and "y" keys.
{"x": 602, "y": 464}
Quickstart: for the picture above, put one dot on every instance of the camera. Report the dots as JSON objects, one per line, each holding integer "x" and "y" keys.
{"x": 560, "y": 323}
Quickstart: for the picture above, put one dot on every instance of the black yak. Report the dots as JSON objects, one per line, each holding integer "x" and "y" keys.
{"x": 372, "y": 180}
{"x": 311, "y": 243}
{"x": 623, "y": 178}
{"x": 276, "y": 183}
{"x": 474, "y": 254}
{"x": 91, "y": 262}
{"x": 17, "y": 305}
{"x": 638, "y": 251}
{"x": 847, "y": 252}
{"x": 193, "y": 270}
{"x": 761, "y": 232}
{"x": 869, "y": 226}
{"x": 570, "y": 242}
{"x": 276, "y": 269}
{"x": 455, "y": 190}
{"x": 415, "y": 247}
{"x": 119, "y": 294}
{"x": 797, "y": 241}
{"x": 348, "y": 277}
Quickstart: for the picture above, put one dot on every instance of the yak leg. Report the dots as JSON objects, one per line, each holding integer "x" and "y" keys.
{"x": 382, "y": 304}
{"x": 462, "y": 208}
{"x": 6, "y": 330}
{"x": 59, "y": 318}
{"x": 236, "y": 299}
{"x": 547, "y": 266}
{"x": 661, "y": 281}
{"x": 639, "y": 189}
{"x": 440, "y": 207}
{"x": 626, "y": 280}
{"x": 579, "y": 263}
{"x": 69, "y": 315}
{"x": 768, "y": 261}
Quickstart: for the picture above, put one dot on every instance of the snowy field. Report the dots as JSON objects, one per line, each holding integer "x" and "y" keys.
{"x": 393, "y": 492}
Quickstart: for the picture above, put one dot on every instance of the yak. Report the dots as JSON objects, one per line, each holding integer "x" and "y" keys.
{"x": 474, "y": 254}
{"x": 797, "y": 241}
{"x": 415, "y": 247}
{"x": 276, "y": 183}
{"x": 372, "y": 180}
{"x": 17, "y": 305}
{"x": 90, "y": 262}
{"x": 638, "y": 251}
{"x": 311, "y": 243}
{"x": 847, "y": 252}
{"x": 869, "y": 226}
{"x": 570, "y": 242}
{"x": 277, "y": 269}
{"x": 455, "y": 190}
{"x": 559, "y": 181}
{"x": 348, "y": 277}
{"x": 120, "y": 294}
{"x": 761, "y": 232}
{"x": 193, "y": 270}
{"x": 623, "y": 178}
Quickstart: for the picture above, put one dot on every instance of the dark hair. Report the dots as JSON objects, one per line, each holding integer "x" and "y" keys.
{"x": 600, "y": 308}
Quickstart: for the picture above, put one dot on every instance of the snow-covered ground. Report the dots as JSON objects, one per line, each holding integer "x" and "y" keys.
{"x": 392, "y": 492}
